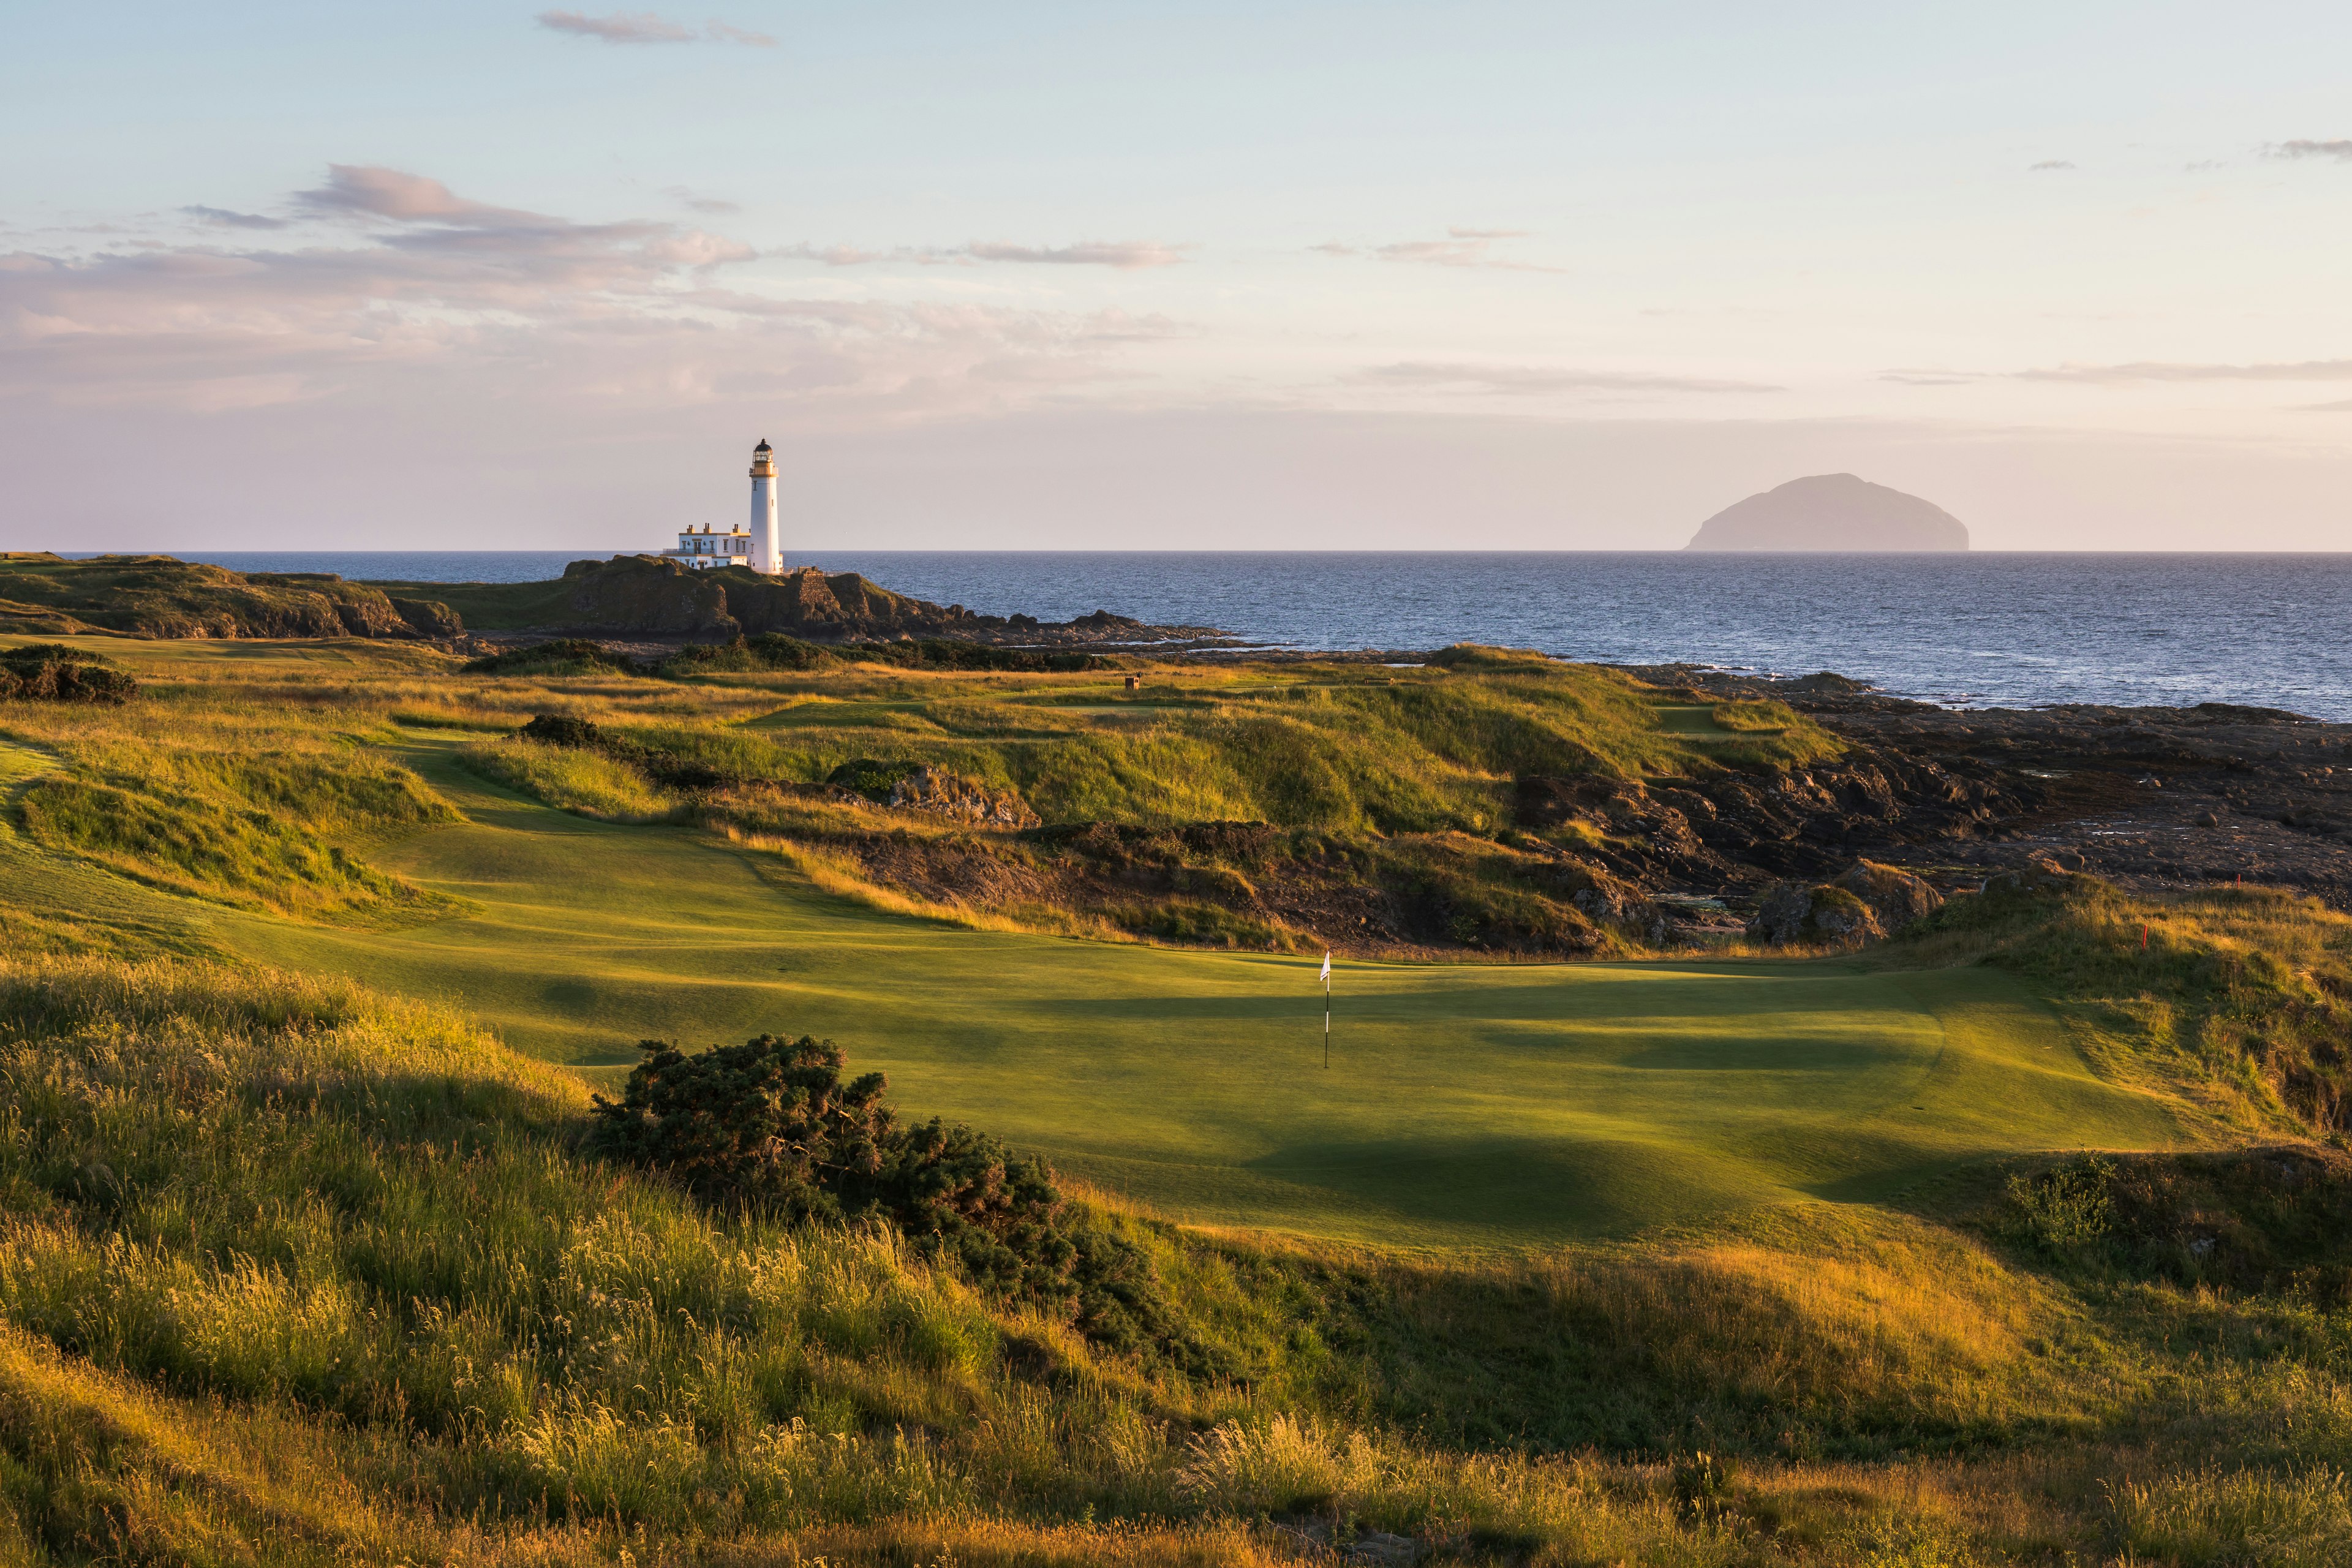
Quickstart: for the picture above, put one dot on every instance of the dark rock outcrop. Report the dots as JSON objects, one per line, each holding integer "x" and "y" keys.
{"x": 951, "y": 794}
{"x": 1866, "y": 903}
{"x": 646, "y": 595}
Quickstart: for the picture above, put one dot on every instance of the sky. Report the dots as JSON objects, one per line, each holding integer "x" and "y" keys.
{"x": 1039, "y": 274}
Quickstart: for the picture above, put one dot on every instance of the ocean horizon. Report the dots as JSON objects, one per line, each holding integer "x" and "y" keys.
{"x": 1980, "y": 628}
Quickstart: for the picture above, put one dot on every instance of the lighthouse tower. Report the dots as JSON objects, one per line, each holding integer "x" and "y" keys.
{"x": 766, "y": 555}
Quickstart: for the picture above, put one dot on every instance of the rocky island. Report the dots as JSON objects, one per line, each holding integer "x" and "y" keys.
{"x": 1833, "y": 513}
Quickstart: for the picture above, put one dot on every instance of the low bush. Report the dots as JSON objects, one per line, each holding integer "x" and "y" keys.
{"x": 944, "y": 653}
{"x": 768, "y": 651}
{"x": 562, "y": 656}
{"x": 54, "y": 672}
{"x": 770, "y": 1126}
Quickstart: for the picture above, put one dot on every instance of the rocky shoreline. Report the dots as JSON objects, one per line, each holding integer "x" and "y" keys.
{"x": 2153, "y": 798}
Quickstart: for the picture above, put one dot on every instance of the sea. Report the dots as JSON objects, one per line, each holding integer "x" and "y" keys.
{"x": 1980, "y": 629}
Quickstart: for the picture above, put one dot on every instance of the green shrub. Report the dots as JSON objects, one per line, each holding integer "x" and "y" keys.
{"x": 561, "y": 730}
{"x": 562, "y": 656}
{"x": 944, "y": 653}
{"x": 768, "y": 651}
{"x": 2064, "y": 1209}
{"x": 53, "y": 672}
{"x": 770, "y": 1126}
{"x": 767, "y": 1124}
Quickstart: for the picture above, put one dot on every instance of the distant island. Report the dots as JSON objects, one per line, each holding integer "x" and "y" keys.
{"x": 1832, "y": 513}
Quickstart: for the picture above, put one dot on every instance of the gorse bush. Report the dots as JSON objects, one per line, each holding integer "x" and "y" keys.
{"x": 560, "y": 656}
{"x": 770, "y": 1127}
{"x": 54, "y": 672}
{"x": 767, "y": 651}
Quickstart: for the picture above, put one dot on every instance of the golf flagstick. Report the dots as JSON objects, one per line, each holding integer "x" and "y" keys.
{"x": 1327, "y": 1009}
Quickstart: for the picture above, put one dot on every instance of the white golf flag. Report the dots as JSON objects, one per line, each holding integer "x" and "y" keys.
{"x": 1326, "y": 976}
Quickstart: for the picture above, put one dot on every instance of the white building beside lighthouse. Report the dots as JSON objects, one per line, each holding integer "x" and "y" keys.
{"x": 756, "y": 547}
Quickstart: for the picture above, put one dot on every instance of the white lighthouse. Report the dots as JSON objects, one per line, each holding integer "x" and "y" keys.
{"x": 766, "y": 555}
{"x": 704, "y": 549}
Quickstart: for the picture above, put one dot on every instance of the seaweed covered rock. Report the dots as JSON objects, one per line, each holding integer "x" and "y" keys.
{"x": 54, "y": 672}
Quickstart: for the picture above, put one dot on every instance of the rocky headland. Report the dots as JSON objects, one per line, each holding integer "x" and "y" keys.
{"x": 658, "y": 602}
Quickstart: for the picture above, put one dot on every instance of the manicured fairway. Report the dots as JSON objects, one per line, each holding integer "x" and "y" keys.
{"x": 1464, "y": 1104}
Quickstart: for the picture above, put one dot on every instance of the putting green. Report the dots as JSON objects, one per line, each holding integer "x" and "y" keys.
{"x": 1464, "y": 1104}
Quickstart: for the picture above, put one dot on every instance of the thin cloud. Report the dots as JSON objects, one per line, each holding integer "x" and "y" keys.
{"x": 839, "y": 255}
{"x": 221, "y": 217}
{"x": 2339, "y": 151}
{"x": 1460, "y": 248}
{"x": 366, "y": 190}
{"x": 2344, "y": 406}
{"x": 644, "y": 27}
{"x": 1929, "y": 377}
{"x": 726, "y": 33}
{"x": 620, "y": 27}
{"x": 2152, "y": 371}
{"x": 688, "y": 200}
{"x": 1533, "y": 381}
{"x": 1126, "y": 255}
{"x": 1123, "y": 255}
{"x": 2048, "y": 163}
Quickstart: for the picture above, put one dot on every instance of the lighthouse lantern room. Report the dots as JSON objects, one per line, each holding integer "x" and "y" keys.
{"x": 756, "y": 547}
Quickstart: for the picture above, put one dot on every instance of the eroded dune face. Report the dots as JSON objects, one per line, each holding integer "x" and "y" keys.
{"x": 1833, "y": 513}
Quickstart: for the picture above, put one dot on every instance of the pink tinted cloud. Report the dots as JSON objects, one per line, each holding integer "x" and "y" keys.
{"x": 1460, "y": 248}
{"x": 644, "y": 27}
{"x": 1122, "y": 255}
{"x": 432, "y": 288}
{"x": 1524, "y": 380}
